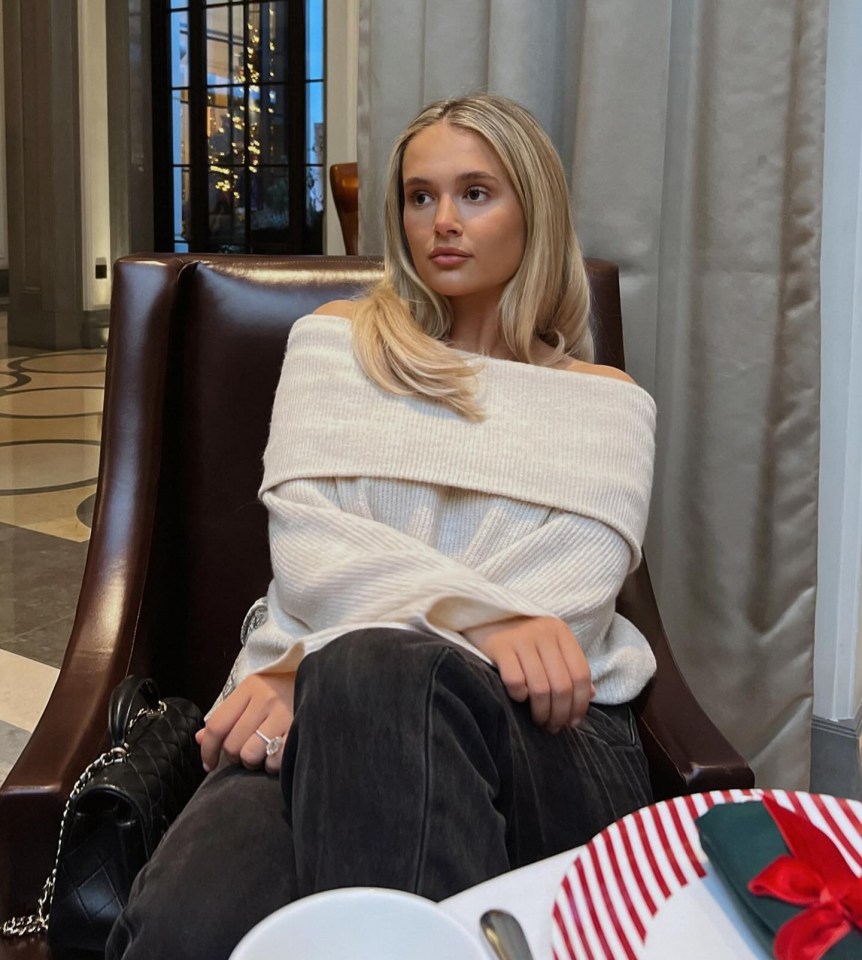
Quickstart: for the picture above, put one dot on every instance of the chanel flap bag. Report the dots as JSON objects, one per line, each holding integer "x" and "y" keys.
{"x": 119, "y": 809}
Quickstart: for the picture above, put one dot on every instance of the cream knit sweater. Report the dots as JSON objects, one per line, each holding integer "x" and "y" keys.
{"x": 388, "y": 510}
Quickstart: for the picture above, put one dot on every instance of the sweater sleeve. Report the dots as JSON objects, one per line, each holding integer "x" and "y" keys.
{"x": 575, "y": 566}
{"x": 332, "y": 568}
{"x": 334, "y": 571}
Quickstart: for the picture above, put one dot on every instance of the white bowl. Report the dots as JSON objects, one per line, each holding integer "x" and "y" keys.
{"x": 360, "y": 923}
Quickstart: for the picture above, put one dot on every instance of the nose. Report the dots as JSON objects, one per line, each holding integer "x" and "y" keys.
{"x": 447, "y": 221}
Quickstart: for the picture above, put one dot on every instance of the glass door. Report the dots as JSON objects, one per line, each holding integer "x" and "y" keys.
{"x": 240, "y": 165}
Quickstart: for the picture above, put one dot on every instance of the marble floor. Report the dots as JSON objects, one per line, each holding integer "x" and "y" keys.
{"x": 50, "y": 423}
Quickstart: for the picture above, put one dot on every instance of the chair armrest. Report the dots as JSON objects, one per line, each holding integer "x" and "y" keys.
{"x": 68, "y": 736}
{"x": 105, "y": 637}
{"x": 686, "y": 751}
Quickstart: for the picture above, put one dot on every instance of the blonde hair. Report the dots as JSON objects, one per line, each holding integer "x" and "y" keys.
{"x": 400, "y": 328}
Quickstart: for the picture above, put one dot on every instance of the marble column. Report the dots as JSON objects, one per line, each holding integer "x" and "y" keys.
{"x": 130, "y": 126}
{"x": 46, "y": 308}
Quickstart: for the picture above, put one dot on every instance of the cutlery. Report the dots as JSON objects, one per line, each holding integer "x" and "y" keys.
{"x": 505, "y": 935}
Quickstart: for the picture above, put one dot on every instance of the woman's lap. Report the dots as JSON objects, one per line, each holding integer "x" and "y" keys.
{"x": 517, "y": 792}
{"x": 408, "y": 766}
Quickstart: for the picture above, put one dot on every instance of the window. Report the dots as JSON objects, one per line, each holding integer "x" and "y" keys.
{"x": 239, "y": 167}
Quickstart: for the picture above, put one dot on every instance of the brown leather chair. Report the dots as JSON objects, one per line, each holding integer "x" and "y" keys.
{"x": 179, "y": 543}
{"x": 344, "y": 180}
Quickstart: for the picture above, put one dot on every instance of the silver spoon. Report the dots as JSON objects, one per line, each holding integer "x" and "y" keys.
{"x": 505, "y": 935}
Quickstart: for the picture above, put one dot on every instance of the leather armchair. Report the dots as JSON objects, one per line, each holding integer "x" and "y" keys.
{"x": 179, "y": 544}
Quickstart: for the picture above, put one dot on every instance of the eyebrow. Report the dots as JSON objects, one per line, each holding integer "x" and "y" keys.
{"x": 461, "y": 178}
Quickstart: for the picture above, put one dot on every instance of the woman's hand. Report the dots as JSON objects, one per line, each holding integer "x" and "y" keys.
{"x": 539, "y": 658}
{"x": 261, "y": 702}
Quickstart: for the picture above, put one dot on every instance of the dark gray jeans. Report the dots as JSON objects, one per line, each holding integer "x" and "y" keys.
{"x": 407, "y": 766}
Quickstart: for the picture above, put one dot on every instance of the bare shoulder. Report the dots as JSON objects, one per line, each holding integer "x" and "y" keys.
{"x": 598, "y": 370}
{"x": 338, "y": 308}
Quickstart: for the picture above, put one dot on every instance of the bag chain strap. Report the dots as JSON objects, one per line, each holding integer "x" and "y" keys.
{"x": 38, "y": 922}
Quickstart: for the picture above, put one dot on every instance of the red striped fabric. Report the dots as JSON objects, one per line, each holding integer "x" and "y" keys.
{"x": 619, "y": 881}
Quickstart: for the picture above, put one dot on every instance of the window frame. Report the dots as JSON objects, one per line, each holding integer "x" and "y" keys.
{"x": 300, "y": 236}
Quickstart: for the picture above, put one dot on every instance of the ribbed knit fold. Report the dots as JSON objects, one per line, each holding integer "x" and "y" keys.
{"x": 569, "y": 440}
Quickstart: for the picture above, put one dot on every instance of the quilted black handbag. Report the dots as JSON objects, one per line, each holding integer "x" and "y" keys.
{"x": 119, "y": 809}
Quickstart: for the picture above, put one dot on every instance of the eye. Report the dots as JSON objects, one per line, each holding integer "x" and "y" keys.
{"x": 420, "y": 198}
{"x": 476, "y": 193}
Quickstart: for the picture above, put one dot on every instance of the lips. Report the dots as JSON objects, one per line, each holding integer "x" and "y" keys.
{"x": 449, "y": 256}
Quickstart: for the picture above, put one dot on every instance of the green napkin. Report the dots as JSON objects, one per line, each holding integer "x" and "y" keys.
{"x": 741, "y": 839}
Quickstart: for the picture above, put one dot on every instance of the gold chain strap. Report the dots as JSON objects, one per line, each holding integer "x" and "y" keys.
{"x": 38, "y": 922}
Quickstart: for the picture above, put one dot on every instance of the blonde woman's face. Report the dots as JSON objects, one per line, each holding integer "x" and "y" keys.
{"x": 462, "y": 219}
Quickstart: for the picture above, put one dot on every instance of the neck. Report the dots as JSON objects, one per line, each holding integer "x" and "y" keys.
{"x": 476, "y": 329}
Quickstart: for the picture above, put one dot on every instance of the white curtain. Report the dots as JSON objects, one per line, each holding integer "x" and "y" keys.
{"x": 692, "y": 132}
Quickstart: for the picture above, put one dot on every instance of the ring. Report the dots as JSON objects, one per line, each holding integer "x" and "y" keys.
{"x": 273, "y": 744}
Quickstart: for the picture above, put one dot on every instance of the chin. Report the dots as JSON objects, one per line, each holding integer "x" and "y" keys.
{"x": 449, "y": 285}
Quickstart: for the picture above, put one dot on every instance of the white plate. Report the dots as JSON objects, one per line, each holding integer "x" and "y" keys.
{"x": 643, "y": 889}
{"x": 359, "y": 923}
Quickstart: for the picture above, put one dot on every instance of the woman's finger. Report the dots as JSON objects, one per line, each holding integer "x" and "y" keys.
{"x": 219, "y": 725}
{"x": 242, "y": 745}
{"x": 511, "y": 674}
{"x": 579, "y": 670}
{"x": 560, "y": 680}
{"x": 253, "y": 753}
{"x": 538, "y": 684}
{"x": 272, "y": 764}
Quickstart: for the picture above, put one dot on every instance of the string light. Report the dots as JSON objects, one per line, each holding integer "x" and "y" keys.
{"x": 244, "y": 107}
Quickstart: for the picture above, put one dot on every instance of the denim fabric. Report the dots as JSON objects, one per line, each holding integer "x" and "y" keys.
{"x": 407, "y": 766}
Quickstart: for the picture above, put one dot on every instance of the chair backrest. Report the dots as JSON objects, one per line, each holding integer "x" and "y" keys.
{"x": 344, "y": 180}
{"x": 196, "y": 346}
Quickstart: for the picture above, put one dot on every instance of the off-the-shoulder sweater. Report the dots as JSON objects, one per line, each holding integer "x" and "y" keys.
{"x": 396, "y": 511}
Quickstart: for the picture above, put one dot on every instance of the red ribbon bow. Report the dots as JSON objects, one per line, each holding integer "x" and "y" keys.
{"x": 816, "y": 877}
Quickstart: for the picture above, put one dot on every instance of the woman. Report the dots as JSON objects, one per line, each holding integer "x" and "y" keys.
{"x": 456, "y": 494}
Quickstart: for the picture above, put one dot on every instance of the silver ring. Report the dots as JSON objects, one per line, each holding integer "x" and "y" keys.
{"x": 273, "y": 744}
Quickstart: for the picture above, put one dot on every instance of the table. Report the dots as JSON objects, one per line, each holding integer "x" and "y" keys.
{"x": 655, "y": 897}
{"x": 643, "y": 887}
{"x": 507, "y": 892}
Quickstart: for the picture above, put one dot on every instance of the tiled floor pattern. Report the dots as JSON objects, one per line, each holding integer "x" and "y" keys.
{"x": 50, "y": 422}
